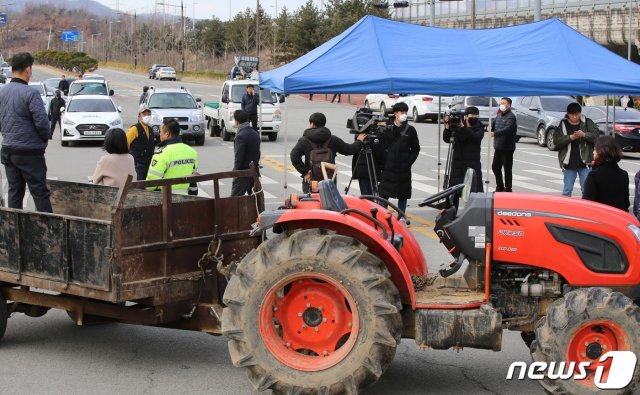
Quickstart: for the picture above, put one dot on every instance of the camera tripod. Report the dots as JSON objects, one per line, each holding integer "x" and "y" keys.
{"x": 367, "y": 152}
{"x": 447, "y": 168}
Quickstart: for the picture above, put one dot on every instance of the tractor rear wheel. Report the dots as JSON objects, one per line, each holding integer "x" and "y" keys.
{"x": 4, "y": 315}
{"x": 581, "y": 327}
{"x": 312, "y": 312}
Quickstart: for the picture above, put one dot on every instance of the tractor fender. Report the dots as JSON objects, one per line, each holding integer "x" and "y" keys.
{"x": 349, "y": 226}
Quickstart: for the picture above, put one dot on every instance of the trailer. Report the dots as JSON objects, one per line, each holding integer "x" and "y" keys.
{"x": 127, "y": 254}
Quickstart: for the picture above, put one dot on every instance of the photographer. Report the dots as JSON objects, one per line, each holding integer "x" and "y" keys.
{"x": 466, "y": 139}
{"x": 403, "y": 148}
{"x": 318, "y": 136}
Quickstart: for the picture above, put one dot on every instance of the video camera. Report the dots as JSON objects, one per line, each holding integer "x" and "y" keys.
{"x": 456, "y": 117}
{"x": 365, "y": 121}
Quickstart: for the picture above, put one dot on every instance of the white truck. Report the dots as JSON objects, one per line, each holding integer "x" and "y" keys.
{"x": 219, "y": 115}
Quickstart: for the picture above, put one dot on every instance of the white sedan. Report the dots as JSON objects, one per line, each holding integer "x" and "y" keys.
{"x": 166, "y": 73}
{"x": 381, "y": 102}
{"x": 45, "y": 95}
{"x": 422, "y": 107}
{"x": 88, "y": 117}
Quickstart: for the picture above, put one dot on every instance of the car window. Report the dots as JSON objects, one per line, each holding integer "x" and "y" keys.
{"x": 525, "y": 102}
{"x": 91, "y": 105}
{"x": 96, "y": 88}
{"x": 172, "y": 100}
{"x": 225, "y": 91}
{"x": 237, "y": 91}
{"x": 168, "y": 69}
{"x": 482, "y": 101}
{"x": 38, "y": 88}
{"x": 556, "y": 104}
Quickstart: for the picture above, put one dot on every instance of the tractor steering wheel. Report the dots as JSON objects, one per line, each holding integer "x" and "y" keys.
{"x": 451, "y": 191}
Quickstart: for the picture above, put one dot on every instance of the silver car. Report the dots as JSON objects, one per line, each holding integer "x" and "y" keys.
{"x": 538, "y": 115}
{"x": 480, "y": 102}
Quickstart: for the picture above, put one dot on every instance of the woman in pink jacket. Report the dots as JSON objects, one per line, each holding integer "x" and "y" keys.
{"x": 112, "y": 169}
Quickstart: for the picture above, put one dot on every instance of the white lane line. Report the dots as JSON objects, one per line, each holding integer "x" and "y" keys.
{"x": 267, "y": 180}
{"x": 556, "y": 175}
{"x": 536, "y": 188}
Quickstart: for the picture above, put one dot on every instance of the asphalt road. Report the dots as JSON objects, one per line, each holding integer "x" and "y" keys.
{"x": 52, "y": 355}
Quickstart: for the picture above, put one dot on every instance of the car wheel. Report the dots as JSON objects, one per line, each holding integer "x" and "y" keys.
{"x": 226, "y": 136}
{"x": 199, "y": 140}
{"x": 383, "y": 108}
{"x": 550, "y": 143}
{"x": 416, "y": 117}
{"x": 273, "y": 136}
{"x": 542, "y": 136}
{"x": 366, "y": 104}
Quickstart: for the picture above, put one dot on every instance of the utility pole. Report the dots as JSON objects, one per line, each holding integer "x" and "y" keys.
{"x": 473, "y": 14}
{"x": 258, "y": 28}
{"x": 134, "y": 45}
{"x": 182, "y": 46}
{"x": 629, "y": 32}
{"x": 537, "y": 10}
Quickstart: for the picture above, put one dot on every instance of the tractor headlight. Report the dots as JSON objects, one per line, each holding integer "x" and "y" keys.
{"x": 636, "y": 231}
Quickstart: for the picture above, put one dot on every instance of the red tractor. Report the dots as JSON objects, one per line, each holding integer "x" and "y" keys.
{"x": 322, "y": 306}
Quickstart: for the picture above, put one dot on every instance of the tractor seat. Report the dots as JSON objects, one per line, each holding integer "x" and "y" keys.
{"x": 330, "y": 197}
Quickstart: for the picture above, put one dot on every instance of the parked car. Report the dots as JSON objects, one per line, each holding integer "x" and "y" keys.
{"x": 90, "y": 87}
{"x": 93, "y": 77}
{"x": 178, "y": 104}
{"x": 538, "y": 116}
{"x": 154, "y": 68}
{"x": 88, "y": 117}
{"x": 625, "y": 129}
{"x": 422, "y": 107}
{"x": 45, "y": 95}
{"x": 382, "y": 102}
{"x": 481, "y": 102}
{"x": 166, "y": 73}
{"x": 52, "y": 83}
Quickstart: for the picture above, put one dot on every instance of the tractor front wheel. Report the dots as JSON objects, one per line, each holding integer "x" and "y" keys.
{"x": 312, "y": 312}
{"x": 582, "y": 327}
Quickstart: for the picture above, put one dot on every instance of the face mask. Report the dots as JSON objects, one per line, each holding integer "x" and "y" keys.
{"x": 402, "y": 118}
{"x": 146, "y": 119}
{"x": 503, "y": 108}
{"x": 473, "y": 121}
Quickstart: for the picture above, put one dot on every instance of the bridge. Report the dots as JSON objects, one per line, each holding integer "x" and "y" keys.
{"x": 604, "y": 21}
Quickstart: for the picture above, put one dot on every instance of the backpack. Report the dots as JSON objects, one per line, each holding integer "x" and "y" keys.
{"x": 320, "y": 153}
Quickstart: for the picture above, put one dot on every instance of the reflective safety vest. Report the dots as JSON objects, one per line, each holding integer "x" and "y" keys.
{"x": 170, "y": 160}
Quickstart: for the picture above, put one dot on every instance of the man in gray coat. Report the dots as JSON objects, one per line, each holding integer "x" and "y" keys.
{"x": 504, "y": 131}
{"x": 250, "y": 104}
{"x": 25, "y": 129}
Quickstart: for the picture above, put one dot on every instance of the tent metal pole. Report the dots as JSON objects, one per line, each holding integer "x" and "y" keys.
{"x": 607, "y": 117}
{"x": 486, "y": 181}
{"x": 283, "y": 122}
{"x": 614, "y": 112}
{"x": 439, "y": 139}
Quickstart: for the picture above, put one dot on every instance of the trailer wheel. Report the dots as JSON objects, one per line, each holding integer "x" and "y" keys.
{"x": 581, "y": 327}
{"x": 4, "y": 315}
{"x": 312, "y": 312}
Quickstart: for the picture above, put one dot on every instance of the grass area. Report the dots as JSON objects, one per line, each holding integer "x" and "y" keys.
{"x": 145, "y": 69}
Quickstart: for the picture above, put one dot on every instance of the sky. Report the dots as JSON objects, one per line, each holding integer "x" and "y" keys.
{"x": 204, "y": 9}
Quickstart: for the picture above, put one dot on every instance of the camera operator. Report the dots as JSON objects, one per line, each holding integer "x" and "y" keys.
{"x": 315, "y": 136}
{"x": 466, "y": 139}
{"x": 401, "y": 141}
{"x": 376, "y": 160}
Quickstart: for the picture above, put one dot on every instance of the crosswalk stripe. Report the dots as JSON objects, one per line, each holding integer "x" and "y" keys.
{"x": 545, "y": 173}
{"x": 533, "y": 187}
{"x": 267, "y": 180}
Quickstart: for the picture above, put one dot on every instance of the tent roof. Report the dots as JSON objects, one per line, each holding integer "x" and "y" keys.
{"x": 377, "y": 55}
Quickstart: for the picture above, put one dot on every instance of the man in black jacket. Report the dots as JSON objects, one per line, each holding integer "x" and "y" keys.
{"x": 246, "y": 150}
{"x": 54, "y": 109}
{"x": 504, "y": 131}
{"x": 249, "y": 104}
{"x": 403, "y": 148}
{"x": 63, "y": 85}
{"x": 466, "y": 148}
{"x": 318, "y": 134}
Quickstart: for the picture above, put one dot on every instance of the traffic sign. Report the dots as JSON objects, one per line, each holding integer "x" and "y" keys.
{"x": 3, "y": 19}
{"x": 70, "y": 36}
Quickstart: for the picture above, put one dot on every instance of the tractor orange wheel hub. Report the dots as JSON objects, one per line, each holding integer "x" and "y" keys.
{"x": 309, "y": 321}
{"x": 591, "y": 341}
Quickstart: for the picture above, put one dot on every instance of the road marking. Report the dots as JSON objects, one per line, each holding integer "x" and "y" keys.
{"x": 536, "y": 188}
{"x": 557, "y": 174}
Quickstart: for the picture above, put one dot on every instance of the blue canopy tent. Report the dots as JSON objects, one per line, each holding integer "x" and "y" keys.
{"x": 377, "y": 55}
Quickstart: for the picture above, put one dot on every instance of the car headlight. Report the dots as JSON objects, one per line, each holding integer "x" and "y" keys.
{"x": 68, "y": 122}
{"x": 277, "y": 115}
{"x": 197, "y": 117}
{"x": 636, "y": 231}
{"x": 155, "y": 118}
{"x": 116, "y": 122}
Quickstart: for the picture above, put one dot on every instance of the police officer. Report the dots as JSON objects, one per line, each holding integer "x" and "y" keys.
{"x": 141, "y": 143}
{"x": 172, "y": 159}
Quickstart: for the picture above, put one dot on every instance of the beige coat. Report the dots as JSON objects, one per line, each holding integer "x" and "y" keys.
{"x": 112, "y": 169}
